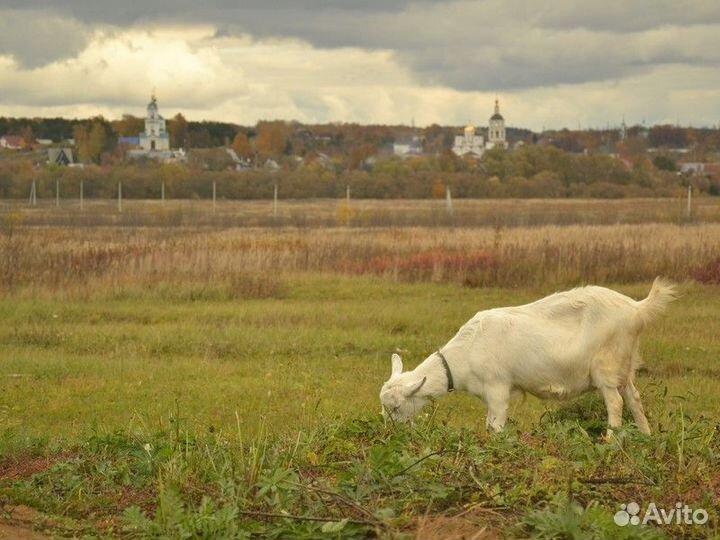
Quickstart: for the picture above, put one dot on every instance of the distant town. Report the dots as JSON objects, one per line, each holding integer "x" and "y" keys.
{"x": 378, "y": 161}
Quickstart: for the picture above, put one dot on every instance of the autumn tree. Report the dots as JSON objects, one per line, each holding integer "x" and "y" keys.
{"x": 128, "y": 126}
{"x": 438, "y": 189}
{"x": 174, "y": 176}
{"x": 633, "y": 147}
{"x": 97, "y": 140}
{"x": 90, "y": 141}
{"x": 199, "y": 138}
{"x": 241, "y": 145}
{"x": 665, "y": 163}
{"x": 272, "y": 138}
{"x": 360, "y": 154}
{"x": 668, "y": 136}
{"x": 80, "y": 134}
{"x": 449, "y": 162}
{"x": 27, "y": 134}
{"x": 178, "y": 131}
{"x": 438, "y": 138}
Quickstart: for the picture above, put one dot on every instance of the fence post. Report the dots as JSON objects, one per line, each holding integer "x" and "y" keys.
{"x": 31, "y": 201}
{"x": 162, "y": 192}
{"x": 119, "y": 196}
{"x": 689, "y": 201}
{"x": 275, "y": 202}
{"x": 448, "y": 201}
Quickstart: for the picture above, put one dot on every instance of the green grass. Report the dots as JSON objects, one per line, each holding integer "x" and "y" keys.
{"x": 257, "y": 404}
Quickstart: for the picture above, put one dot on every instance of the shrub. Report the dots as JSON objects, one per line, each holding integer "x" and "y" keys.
{"x": 708, "y": 273}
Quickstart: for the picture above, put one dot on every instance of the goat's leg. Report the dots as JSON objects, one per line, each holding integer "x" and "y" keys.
{"x": 614, "y": 405}
{"x": 497, "y": 399}
{"x": 632, "y": 399}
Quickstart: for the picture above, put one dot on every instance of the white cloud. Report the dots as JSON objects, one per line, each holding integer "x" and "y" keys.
{"x": 122, "y": 68}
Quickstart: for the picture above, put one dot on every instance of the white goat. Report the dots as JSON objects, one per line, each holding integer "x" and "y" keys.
{"x": 557, "y": 347}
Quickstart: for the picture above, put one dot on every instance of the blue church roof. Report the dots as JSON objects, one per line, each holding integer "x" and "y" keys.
{"x": 130, "y": 141}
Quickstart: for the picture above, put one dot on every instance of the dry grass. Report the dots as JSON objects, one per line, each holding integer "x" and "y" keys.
{"x": 453, "y": 528}
{"x": 250, "y": 263}
{"x": 364, "y": 213}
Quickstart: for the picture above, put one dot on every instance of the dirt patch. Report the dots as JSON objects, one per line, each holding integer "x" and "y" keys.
{"x": 109, "y": 518}
{"x": 472, "y": 524}
{"x": 15, "y": 524}
{"x": 24, "y": 467}
{"x": 14, "y": 532}
{"x": 143, "y": 498}
{"x": 694, "y": 493}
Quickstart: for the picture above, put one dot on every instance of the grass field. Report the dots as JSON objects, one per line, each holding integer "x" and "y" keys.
{"x": 226, "y": 386}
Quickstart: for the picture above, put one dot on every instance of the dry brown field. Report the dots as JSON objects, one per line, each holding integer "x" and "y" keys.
{"x": 246, "y": 261}
{"x": 363, "y": 213}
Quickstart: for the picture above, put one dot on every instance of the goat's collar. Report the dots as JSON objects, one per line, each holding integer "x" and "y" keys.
{"x": 450, "y": 382}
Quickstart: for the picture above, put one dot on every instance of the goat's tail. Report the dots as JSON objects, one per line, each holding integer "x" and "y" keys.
{"x": 661, "y": 294}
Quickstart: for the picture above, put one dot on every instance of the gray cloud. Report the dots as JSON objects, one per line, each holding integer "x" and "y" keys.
{"x": 620, "y": 16}
{"x": 36, "y": 38}
{"x": 133, "y": 11}
{"x": 490, "y": 45}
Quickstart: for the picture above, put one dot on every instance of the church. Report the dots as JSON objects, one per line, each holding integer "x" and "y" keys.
{"x": 154, "y": 142}
{"x": 155, "y": 138}
{"x": 470, "y": 144}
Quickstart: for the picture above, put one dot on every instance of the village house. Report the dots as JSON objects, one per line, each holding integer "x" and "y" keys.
{"x": 12, "y": 142}
{"x": 411, "y": 147}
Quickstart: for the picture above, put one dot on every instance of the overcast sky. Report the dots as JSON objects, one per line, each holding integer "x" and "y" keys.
{"x": 565, "y": 63}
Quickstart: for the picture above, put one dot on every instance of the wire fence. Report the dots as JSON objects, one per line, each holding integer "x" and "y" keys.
{"x": 66, "y": 209}
{"x": 347, "y": 212}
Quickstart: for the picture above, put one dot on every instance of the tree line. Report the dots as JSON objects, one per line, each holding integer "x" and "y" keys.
{"x": 96, "y": 138}
{"x": 530, "y": 171}
{"x": 322, "y": 160}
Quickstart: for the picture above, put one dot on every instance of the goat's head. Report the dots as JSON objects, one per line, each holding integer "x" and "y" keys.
{"x": 399, "y": 395}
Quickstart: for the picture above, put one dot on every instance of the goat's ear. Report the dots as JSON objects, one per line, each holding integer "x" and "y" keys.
{"x": 396, "y": 365}
{"x": 415, "y": 388}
